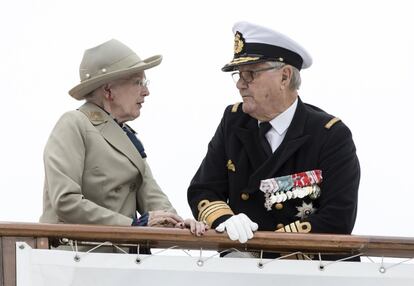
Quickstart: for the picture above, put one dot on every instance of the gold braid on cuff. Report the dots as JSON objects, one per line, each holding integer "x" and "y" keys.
{"x": 208, "y": 211}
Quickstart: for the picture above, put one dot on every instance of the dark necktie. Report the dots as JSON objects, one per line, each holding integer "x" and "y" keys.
{"x": 137, "y": 143}
{"x": 264, "y": 127}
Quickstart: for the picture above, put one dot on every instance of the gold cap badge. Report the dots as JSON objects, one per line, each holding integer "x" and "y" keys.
{"x": 238, "y": 43}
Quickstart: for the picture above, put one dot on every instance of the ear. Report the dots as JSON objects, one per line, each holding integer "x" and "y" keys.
{"x": 106, "y": 88}
{"x": 286, "y": 74}
{"x": 107, "y": 92}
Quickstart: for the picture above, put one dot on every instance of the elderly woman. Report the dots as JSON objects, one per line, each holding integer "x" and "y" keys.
{"x": 95, "y": 167}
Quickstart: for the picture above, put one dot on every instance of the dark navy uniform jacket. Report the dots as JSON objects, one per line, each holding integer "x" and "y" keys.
{"x": 311, "y": 143}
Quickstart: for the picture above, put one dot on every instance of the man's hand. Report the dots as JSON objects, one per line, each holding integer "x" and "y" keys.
{"x": 163, "y": 219}
{"x": 238, "y": 227}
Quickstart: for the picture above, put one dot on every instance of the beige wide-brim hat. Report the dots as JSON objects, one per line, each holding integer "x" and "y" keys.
{"x": 109, "y": 61}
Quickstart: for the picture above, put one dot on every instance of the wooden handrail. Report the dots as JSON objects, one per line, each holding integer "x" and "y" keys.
{"x": 263, "y": 240}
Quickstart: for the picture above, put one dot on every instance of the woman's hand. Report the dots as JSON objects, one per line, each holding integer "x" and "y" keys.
{"x": 197, "y": 228}
{"x": 164, "y": 219}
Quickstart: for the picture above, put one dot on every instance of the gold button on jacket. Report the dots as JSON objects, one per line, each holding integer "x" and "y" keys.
{"x": 279, "y": 206}
{"x": 245, "y": 196}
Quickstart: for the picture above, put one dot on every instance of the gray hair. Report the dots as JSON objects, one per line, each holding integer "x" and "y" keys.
{"x": 91, "y": 96}
{"x": 295, "y": 80}
{"x": 95, "y": 95}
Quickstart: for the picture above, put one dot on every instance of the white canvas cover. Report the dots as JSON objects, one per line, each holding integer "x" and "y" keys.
{"x": 41, "y": 267}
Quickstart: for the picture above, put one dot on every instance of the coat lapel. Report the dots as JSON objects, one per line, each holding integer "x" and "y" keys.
{"x": 113, "y": 133}
{"x": 249, "y": 136}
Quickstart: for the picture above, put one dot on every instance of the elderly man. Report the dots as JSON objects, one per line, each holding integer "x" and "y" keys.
{"x": 275, "y": 163}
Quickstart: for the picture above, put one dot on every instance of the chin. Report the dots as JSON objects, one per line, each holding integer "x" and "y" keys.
{"x": 134, "y": 116}
{"x": 247, "y": 108}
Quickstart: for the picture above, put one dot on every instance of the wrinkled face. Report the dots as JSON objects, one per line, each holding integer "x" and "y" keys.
{"x": 263, "y": 98}
{"x": 128, "y": 96}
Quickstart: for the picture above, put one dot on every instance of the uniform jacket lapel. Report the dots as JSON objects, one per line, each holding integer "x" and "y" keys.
{"x": 249, "y": 136}
{"x": 293, "y": 140}
{"x": 113, "y": 133}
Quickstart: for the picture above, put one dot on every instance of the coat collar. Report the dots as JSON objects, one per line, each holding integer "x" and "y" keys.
{"x": 112, "y": 133}
{"x": 266, "y": 167}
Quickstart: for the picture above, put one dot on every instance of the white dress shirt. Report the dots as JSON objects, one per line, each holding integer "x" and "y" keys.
{"x": 280, "y": 125}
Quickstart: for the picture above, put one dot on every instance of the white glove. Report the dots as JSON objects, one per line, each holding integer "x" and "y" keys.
{"x": 238, "y": 227}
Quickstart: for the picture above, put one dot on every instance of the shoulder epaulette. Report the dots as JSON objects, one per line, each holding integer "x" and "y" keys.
{"x": 235, "y": 107}
{"x": 332, "y": 122}
{"x": 96, "y": 117}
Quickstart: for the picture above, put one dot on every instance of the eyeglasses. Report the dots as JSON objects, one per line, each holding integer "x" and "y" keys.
{"x": 143, "y": 82}
{"x": 248, "y": 76}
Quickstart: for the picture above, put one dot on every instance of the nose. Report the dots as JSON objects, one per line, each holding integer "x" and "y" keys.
{"x": 145, "y": 91}
{"x": 241, "y": 84}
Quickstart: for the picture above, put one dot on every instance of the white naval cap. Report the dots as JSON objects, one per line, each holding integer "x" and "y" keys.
{"x": 254, "y": 44}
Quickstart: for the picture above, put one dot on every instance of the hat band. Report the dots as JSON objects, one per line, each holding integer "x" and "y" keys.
{"x": 124, "y": 63}
{"x": 274, "y": 53}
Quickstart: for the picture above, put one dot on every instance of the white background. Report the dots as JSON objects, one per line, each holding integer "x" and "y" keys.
{"x": 362, "y": 72}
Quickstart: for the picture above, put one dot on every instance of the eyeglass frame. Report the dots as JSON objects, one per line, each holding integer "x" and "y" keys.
{"x": 143, "y": 82}
{"x": 252, "y": 74}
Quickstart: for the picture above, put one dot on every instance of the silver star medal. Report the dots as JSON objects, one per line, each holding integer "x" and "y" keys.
{"x": 305, "y": 210}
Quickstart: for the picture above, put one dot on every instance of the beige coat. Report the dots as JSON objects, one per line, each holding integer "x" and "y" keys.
{"x": 94, "y": 174}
